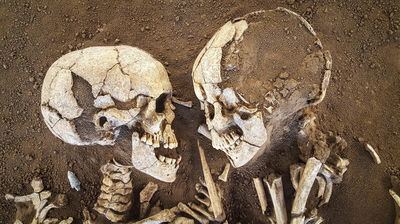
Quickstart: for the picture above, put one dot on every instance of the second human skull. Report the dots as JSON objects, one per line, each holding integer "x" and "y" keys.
{"x": 253, "y": 75}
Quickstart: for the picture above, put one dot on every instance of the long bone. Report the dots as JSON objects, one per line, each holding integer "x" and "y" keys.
{"x": 216, "y": 203}
{"x": 307, "y": 179}
{"x": 262, "y": 197}
{"x": 275, "y": 187}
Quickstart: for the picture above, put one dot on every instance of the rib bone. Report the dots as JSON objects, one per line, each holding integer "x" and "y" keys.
{"x": 187, "y": 104}
{"x": 397, "y": 204}
{"x": 373, "y": 153}
{"x": 262, "y": 197}
{"x": 275, "y": 188}
{"x": 184, "y": 208}
{"x": 311, "y": 170}
{"x": 216, "y": 203}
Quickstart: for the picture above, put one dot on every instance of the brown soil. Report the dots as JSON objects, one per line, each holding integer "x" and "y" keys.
{"x": 363, "y": 99}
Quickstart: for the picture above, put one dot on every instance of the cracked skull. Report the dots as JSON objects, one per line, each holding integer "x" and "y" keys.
{"x": 254, "y": 75}
{"x": 89, "y": 95}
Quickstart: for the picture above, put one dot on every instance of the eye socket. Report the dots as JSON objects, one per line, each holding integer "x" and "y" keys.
{"x": 160, "y": 103}
{"x": 211, "y": 110}
{"x": 102, "y": 121}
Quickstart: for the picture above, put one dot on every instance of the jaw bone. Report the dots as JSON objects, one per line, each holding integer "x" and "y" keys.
{"x": 144, "y": 159}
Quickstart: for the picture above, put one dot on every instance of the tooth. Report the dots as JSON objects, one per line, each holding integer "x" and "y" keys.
{"x": 234, "y": 136}
{"x": 161, "y": 158}
{"x": 143, "y": 138}
{"x": 173, "y": 161}
{"x": 156, "y": 142}
{"x": 149, "y": 139}
{"x": 168, "y": 160}
{"x": 230, "y": 139}
{"x": 237, "y": 142}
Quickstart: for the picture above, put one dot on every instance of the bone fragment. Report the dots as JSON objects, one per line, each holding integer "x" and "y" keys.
{"x": 321, "y": 186}
{"x": 307, "y": 179}
{"x": 216, "y": 203}
{"x": 164, "y": 216}
{"x": 296, "y": 171}
{"x": 187, "y": 104}
{"x": 397, "y": 204}
{"x": 373, "y": 153}
{"x": 184, "y": 208}
{"x": 224, "y": 174}
{"x": 203, "y": 130}
{"x": 201, "y": 210}
{"x": 327, "y": 192}
{"x": 262, "y": 197}
{"x": 275, "y": 187}
{"x": 183, "y": 220}
{"x": 145, "y": 196}
{"x": 73, "y": 181}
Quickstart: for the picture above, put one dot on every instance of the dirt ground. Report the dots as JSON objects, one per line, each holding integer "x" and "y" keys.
{"x": 363, "y": 99}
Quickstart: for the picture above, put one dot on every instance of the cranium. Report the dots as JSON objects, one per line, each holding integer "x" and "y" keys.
{"x": 125, "y": 87}
{"x": 254, "y": 75}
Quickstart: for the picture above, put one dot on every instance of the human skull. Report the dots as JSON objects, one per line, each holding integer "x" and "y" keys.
{"x": 125, "y": 87}
{"x": 254, "y": 74}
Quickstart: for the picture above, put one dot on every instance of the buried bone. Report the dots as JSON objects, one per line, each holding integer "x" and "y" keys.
{"x": 40, "y": 201}
{"x": 225, "y": 173}
{"x": 216, "y": 202}
{"x": 234, "y": 109}
{"x": 89, "y": 95}
{"x": 373, "y": 153}
{"x": 145, "y": 196}
{"x": 116, "y": 178}
{"x": 275, "y": 188}
{"x": 307, "y": 179}
{"x": 262, "y": 197}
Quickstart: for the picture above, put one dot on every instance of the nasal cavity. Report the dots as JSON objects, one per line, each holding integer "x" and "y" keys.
{"x": 102, "y": 121}
{"x": 160, "y": 103}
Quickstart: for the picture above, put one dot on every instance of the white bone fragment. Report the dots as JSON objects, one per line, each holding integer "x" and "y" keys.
{"x": 164, "y": 216}
{"x": 224, "y": 174}
{"x": 373, "y": 153}
{"x": 321, "y": 186}
{"x": 296, "y": 171}
{"x": 73, "y": 181}
{"x": 103, "y": 102}
{"x": 145, "y": 196}
{"x": 184, "y": 208}
{"x": 183, "y": 220}
{"x": 327, "y": 192}
{"x": 307, "y": 179}
{"x": 216, "y": 203}
{"x": 275, "y": 187}
{"x": 187, "y": 104}
{"x": 396, "y": 198}
{"x": 201, "y": 210}
{"x": 262, "y": 197}
{"x": 203, "y": 130}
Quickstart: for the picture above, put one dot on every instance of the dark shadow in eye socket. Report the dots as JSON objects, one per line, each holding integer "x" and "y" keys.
{"x": 160, "y": 107}
{"x": 102, "y": 121}
{"x": 245, "y": 116}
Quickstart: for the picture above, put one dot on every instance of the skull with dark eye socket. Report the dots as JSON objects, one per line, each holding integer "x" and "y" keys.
{"x": 130, "y": 89}
{"x": 254, "y": 75}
